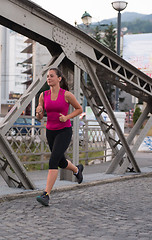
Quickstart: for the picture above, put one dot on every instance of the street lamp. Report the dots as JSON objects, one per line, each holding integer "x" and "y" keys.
{"x": 86, "y": 19}
{"x": 118, "y": 6}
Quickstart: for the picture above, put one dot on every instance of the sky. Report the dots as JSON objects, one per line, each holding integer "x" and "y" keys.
{"x": 71, "y": 11}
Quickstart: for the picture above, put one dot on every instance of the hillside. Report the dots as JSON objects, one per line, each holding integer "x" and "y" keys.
{"x": 134, "y": 22}
{"x": 128, "y": 17}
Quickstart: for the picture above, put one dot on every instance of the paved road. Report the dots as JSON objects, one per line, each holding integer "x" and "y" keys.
{"x": 114, "y": 211}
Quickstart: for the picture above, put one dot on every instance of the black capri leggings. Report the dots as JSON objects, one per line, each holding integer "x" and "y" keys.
{"x": 58, "y": 141}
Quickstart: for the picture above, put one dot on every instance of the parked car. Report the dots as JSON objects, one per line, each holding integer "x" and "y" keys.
{"x": 21, "y": 125}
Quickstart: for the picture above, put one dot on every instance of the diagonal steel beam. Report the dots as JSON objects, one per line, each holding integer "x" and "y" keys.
{"x": 98, "y": 113}
{"x": 11, "y": 157}
{"x": 104, "y": 100}
{"x": 28, "y": 95}
{"x": 15, "y": 164}
{"x": 118, "y": 158}
{"x": 7, "y": 174}
{"x": 137, "y": 144}
{"x": 128, "y": 80}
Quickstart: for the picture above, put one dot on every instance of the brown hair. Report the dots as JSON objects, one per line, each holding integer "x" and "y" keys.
{"x": 63, "y": 83}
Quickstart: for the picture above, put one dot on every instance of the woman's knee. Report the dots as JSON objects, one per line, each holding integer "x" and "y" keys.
{"x": 63, "y": 164}
{"x": 53, "y": 164}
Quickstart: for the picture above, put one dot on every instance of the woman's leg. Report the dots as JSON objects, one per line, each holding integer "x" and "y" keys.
{"x": 72, "y": 167}
{"x": 58, "y": 146}
{"x": 51, "y": 178}
{"x": 77, "y": 171}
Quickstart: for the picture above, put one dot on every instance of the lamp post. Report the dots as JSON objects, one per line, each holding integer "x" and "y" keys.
{"x": 86, "y": 19}
{"x": 118, "y": 6}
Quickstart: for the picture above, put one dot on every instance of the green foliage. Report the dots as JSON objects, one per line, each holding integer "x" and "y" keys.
{"x": 97, "y": 34}
{"x": 110, "y": 37}
{"x": 136, "y": 114}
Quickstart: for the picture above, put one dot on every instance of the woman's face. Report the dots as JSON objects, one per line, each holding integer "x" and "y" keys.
{"x": 52, "y": 78}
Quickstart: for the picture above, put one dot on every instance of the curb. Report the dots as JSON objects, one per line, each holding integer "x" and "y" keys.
{"x": 34, "y": 193}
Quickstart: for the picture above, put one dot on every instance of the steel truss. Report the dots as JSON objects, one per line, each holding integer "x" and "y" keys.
{"x": 69, "y": 47}
{"x": 9, "y": 159}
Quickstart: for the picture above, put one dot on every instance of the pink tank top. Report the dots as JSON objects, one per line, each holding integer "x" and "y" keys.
{"x": 54, "y": 108}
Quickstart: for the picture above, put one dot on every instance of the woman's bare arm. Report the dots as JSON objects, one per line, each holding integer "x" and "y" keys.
{"x": 40, "y": 107}
{"x": 70, "y": 98}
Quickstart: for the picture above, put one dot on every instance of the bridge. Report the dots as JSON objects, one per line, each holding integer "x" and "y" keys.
{"x": 74, "y": 51}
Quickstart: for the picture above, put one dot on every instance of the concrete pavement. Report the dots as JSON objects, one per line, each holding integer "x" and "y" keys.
{"x": 92, "y": 174}
{"x": 105, "y": 207}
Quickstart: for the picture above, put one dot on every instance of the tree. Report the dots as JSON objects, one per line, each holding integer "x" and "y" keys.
{"x": 97, "y": 34}
{"x": 108, "y": 41}
{"x": 136, "y": 114}
{"x": 110, "y": 37}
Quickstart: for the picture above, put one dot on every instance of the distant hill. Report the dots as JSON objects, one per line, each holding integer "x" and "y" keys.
{"x": 128, "y": 17}
{"x": 132, "y": 21}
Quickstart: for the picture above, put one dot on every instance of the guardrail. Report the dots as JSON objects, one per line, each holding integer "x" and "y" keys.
{"x": 30, "y": 143}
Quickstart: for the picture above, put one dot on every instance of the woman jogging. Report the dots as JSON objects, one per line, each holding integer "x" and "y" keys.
{"x": 56, "y": 102}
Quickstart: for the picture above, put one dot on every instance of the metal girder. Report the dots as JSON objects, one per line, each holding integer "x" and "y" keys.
{"x": 62, "y": 40}
{"x": 28, "y": 95}
{"x": 61, "y": 35}
{"x": 128, "y": 81}
{"x": 109, "y": 110}
{"x": 118, "y": 158}
{"x": 7, "y": 174}
{"x": 11, "y": 158}
{"x": 98, "y": 113}
{"x": 137, "y": 144}
{"x": 17, "y": 167}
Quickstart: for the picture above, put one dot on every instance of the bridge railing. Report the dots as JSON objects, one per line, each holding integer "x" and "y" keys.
{"x": 30, "y": 143}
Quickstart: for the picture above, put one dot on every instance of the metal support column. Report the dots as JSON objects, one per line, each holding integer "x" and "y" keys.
{"x": 77, "y": 73}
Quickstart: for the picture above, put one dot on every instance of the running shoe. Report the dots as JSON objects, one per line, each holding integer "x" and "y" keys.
{"x": 43, "y": 199}
{"x": 79, "y": 175}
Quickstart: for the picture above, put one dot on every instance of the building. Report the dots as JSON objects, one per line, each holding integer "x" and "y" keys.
{"x": 11, "y": 68}
{"x": 38, "y": 57}
{"x": 19, "y": 58}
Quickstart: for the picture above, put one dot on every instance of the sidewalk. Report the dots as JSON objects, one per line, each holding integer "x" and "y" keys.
{"x": 93, "y": 175}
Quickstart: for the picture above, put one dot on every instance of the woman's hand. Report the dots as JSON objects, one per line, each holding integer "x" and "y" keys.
{"x": 39, "y": 109}
{"x": 39, "y": 112}
{"x": 62, "y": 118}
